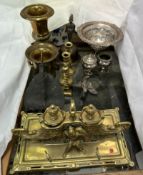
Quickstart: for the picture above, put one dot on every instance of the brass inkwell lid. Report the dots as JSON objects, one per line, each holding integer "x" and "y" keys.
{"x": 38, "y": 15}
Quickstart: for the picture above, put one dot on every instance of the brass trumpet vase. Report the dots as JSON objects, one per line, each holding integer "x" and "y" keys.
{"x": 38, "y": 15}
{"x": 41, "y": 53}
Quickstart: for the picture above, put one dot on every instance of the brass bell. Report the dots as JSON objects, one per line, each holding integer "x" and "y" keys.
{"x": 38, "y": 15}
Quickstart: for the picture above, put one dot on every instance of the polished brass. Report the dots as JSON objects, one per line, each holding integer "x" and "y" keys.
{"x": 38, "y": 15}
{"x": 41, "y": 53}
{"x": 58, "y": 139}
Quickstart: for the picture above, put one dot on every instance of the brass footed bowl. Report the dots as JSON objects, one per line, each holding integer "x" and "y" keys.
{"x": 41, "y": 53}
{"x": 99, "y": 34}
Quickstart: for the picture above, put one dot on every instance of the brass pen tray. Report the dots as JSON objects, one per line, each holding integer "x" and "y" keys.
{"x": 42, "y": 153}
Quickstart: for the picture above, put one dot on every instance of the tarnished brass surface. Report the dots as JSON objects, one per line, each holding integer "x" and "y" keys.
{"x": 38, "y": 15}
{"x": 41, "y": 53}
{"x": 58, "y": 139}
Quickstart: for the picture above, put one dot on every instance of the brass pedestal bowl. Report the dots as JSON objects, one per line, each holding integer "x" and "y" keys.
{"x": 38, "y": 15}
{"x": 99, "y": 35}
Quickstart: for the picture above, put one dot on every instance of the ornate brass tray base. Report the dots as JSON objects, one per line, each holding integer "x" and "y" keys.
{"x": 41, "y": 154}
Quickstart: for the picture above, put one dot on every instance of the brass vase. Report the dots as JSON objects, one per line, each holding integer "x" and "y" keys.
{"x": 38, "y": 15}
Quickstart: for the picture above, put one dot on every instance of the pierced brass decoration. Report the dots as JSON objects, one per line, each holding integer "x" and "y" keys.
{"x": 57, "y": 139}
{"x": 38, "y": 15}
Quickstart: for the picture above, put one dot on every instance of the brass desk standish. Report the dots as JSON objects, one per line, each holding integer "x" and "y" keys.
{"x": 38, "y": 15}
{"x": 58, "y": 139}
{"x": 66, "y": 73}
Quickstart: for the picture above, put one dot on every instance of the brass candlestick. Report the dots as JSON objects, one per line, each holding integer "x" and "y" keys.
{"x": 41, "y": 53}
{"x": 71, "y": 48}
{"x": 66, "y": 80}
{"x": 68, "y": 46}
{"x": 38, "y": 15}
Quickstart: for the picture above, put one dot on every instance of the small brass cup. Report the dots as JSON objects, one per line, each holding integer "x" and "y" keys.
{"x": 38, "y": 15}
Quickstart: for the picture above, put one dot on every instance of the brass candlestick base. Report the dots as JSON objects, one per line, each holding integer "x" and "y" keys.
{"x": 38, "y": 15}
